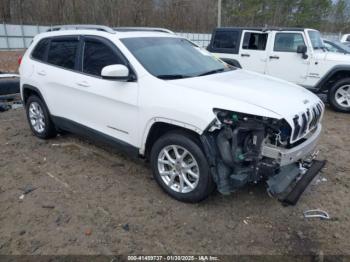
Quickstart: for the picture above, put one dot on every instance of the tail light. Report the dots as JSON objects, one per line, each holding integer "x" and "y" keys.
{"x": 20, "y": 60}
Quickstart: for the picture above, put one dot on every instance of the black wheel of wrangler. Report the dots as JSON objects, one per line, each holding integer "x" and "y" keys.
{"x": 39, "y": 118}
{"x": 181, "y": 168}
{"x": 339, "y": 96}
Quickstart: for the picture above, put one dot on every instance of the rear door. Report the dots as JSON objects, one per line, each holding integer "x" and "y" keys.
{"x": 59, "y": 74}
{"x": 284, "y": 62}
{"x": 253, "y": 54}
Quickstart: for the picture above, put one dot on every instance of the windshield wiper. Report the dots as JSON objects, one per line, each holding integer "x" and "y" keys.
{"x": 171, "y": 77}
{"x": 213, "y": 72}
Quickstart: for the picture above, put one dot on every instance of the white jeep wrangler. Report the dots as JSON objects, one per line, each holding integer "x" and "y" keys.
{"x": 201, "y": 123}
{"x": 297, "y": 55}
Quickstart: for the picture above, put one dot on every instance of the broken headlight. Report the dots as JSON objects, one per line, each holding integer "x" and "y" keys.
{"x": 277, "y": 131}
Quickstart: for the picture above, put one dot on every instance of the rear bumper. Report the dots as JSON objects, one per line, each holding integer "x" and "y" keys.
{"x": 286, "y": 157}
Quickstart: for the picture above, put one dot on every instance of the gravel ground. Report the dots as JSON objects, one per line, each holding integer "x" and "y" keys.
{"x": 89, "y": 199}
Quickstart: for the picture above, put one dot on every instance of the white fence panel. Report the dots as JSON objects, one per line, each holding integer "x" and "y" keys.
{"x": 18, "y": 36}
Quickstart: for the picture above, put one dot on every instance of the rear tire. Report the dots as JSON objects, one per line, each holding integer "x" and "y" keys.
{"x": 39, "y": 118}
{"x": 181, "y": 168}
{"x": 339, "y": 96}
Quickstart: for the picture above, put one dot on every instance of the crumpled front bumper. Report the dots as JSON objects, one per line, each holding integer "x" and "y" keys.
{"x": 285, "y": 156}
{"x": 297, "y": 168}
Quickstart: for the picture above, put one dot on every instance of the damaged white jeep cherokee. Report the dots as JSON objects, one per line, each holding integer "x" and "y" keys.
{"x": 201, "y": 123}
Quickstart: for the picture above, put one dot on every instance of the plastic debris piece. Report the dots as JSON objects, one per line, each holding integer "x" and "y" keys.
{"x": 48, "y": 206}
{"x": 316, "y": 213}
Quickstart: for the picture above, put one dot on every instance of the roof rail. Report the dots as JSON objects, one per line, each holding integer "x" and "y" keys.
{"x": 87, "y": 27}
{"x": 144, "y": 29}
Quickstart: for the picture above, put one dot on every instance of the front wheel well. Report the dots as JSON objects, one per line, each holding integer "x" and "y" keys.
{"x": 342, "y": 74}
{"x": 160, "y": 128}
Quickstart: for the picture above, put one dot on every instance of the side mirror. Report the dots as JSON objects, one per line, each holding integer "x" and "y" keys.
{"x": 302, "y": 49}
{"x": 116, "y": 72}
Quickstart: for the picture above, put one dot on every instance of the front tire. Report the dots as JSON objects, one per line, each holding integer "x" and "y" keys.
{"x": 181, "y": 168}
{"x": 339, "y": 96}
{"x": 39, "y": 118}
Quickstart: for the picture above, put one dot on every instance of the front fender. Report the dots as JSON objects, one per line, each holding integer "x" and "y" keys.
{"x": 156, "y": 120}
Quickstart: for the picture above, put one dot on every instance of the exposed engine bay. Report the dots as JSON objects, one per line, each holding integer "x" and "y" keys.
{"x": 246, "y": 149}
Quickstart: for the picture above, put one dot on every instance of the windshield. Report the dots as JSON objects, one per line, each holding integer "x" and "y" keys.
{"x": 344, "y": 47}
{"x": 173, "y": 58}
{"x": 336, "y": 47}
{"x": 316, "y": 40}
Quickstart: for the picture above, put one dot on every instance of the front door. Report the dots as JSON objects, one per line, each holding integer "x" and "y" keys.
{"x": 108, "y": 106}
{"x": 283, "y": 60}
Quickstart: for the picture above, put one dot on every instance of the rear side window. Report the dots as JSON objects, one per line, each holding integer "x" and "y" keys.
{"x": 39, "y": 51}
{"x": 97, "y": 55}
{"x": 255, "y": 41}
{"x": 226, "y": 39}
{"x": 63, "y": 53}
{"x": 288, "y": 42}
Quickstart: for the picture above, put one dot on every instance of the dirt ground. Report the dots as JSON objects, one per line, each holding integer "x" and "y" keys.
{"x": 9, "y": 61}
{"x": 88, "y": 199}
{"x": 91, "y": 200}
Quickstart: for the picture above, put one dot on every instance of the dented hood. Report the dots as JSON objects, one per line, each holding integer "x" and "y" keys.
{"x": 278, "y": 96}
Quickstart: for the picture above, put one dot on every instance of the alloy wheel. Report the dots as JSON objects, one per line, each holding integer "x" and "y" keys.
{"x": 36, "y": 117}
{"x": 178, "y": 169}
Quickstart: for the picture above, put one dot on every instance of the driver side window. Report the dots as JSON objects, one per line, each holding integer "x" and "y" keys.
{"x": 288, "y": 42}
{"x": 96, "y": 56}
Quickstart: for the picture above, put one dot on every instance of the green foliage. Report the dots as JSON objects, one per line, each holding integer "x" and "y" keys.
{"x": 330, "y": 15}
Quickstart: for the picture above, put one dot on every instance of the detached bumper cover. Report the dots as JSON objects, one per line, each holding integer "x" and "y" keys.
{"x": 288, "y": 156}
{"x": 289, "y": 187}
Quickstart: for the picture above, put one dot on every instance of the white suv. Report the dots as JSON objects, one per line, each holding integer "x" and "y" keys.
{"x": 201, "y": 123}
{"x": 297, "y": 55}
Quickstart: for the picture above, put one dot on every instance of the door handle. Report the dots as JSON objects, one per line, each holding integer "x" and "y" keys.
{"x": 274, "y": 57}
{"x": 42, "y": 73}
{"x": 83, "y": 84}
{"x": 245, "y": 55}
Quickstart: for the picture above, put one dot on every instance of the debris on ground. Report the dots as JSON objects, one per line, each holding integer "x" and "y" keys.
{"x": 316, "y": 213}
{"x": 62, "y": 219}
{"x": 58, "y": 180}
{"x": 126, "y": 227}
{"x": 48, "y": 206}
{"x": 28, "y": 189}
{"x": 88, "y": 232}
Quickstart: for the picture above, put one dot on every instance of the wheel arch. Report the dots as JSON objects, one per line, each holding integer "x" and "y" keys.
{"x": 161, "y": 126}
{"x": 333, "y": 75}
{"x": 29, "y": 90}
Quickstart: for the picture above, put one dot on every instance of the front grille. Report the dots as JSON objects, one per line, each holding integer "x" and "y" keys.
{"x": 306, "y": 122}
